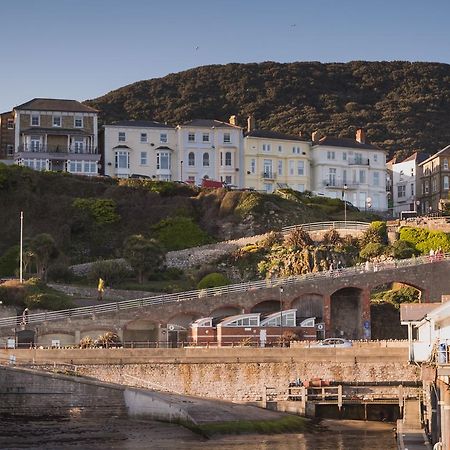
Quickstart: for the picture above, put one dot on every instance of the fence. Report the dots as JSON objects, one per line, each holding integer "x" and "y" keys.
{"x": 323, "y": 226}
{"x": 166, "y": 299}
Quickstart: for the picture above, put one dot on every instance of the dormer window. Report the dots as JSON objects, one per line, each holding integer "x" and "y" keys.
{"x": 56, "y": 121}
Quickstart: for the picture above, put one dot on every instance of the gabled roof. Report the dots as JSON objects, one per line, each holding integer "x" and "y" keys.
{"x": 444, "y": 151}
{"x": 139, "y": 124}
{"x": 345, "y": 142}
{"x": 208, "y": 123}
{"x": 267, "y": 134}
{"x": 418, "y": 157}
{"x": 57, "y": 105}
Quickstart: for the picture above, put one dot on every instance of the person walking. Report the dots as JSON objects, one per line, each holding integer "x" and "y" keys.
{"x": 100, "y": 289}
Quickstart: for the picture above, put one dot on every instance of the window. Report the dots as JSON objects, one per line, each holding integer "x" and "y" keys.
{"x": 280, "y": 167}
{"x": 375, "y": 157}
{"x": 35, "y": 120}
{"x": 401, "y": 191}
{"x": 35, "y": 143}
{"x": 163, "y": 138}
{"x": 332, "y": 177}
{"x": 280, "y": 148}
{"x": 122, "y": 136}
{"x": 75, "y": 167}
{"x": 143, "y": 137}
{"x": 191, "y": 137}
{"x": 291, "y": 167}
{"x": 56, "y": 121}
{"x": 36, "y": 164}
{"x": 10, "y": 149}
{"x": 228, "y": 159}
{"x": 296, "y": 150}
{"x": 78, "y": 145}
{"x": 205, "y": 159}
{"x": 78, "y": 122}
{"x": 376, "y": 179}
{"x": 446, "y": 185}
{"x": 301, "y": 187}
{"x": 331, "y": 155}
{"x": 191, "y": 159}
{"x": 163, "y": 161}
{"x": 268, "y": 187}
{"x": 143, "y": 158}
{"x": 205, "y": 137}
{"x": 344, "y": 176}
{"x": 226, "y": 138}
{"x": 10, "y": 124}
{"x": 122, "y": 160}
{"x": 268, "y": 168}
{"x": 90, "y": 167}
{"x": 266, "y": 147}
{"x": 253, "y": 165}
{"x": 362, "y": 176}
{"x": 412, "y": 188}
{"x": 228, "y": 179}
{"x": 300, "y": 167}
{"x": 445, "y": 164}
{"x": 344, "y": 156}
{"x": 427, "y": 187}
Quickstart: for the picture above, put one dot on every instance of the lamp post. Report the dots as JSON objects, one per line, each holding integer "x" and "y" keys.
{"x": 181, "y": 170}
{"x": 281, "y": 316}
{"x": 368, "y": 203}
{"x": 344, "y": 194}
{"x": 21, "y": 248}
{"x": 417, "y": 203}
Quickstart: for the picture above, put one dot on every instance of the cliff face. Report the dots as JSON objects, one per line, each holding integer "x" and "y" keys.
{"x": 403, "y": 106}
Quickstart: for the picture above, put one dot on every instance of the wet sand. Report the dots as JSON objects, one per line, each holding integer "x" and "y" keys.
{"x": 126, "y": 434}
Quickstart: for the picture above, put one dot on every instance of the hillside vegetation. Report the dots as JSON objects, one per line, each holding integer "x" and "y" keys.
{"x": 403, "y": 106}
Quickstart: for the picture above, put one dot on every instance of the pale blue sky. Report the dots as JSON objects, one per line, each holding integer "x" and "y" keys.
{"x": 85, "y": 48}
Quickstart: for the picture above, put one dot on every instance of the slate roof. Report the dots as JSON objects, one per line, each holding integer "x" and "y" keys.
{"x": 208, "y": 123}
{"x": 267, "y": 134}
{"x": 139, "y": 124}
{"x": 444, "y": 151}
{"x": 345, "y": 142}
{"x": 54, "y": 104}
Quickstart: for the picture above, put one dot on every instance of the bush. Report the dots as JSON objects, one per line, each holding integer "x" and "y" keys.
{"x": 376, "y": 233}
{"x": 60, "y": 273}
{"x": 177, "y": 233}
{"x": 44, "y": 300}
{"x": 102, "y": 210}
{"x": 372, "y": 250}
{"x": 402, "y": 250}
{"x": 214, "y": 279}
{"x": 112, "y": 272}
{"x": 424, "y": 240}
{"x": 9, "y": 262}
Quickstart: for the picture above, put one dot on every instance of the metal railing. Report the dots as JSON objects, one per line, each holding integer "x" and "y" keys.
{"x": 212, "y": 292}
{"x": 86, "y": 149}
{"x": 322, "y": 226}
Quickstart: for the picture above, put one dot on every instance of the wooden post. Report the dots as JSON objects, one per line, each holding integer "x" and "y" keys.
{"x": 304, "y": 393}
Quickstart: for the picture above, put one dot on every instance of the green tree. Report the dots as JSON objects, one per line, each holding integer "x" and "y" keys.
{"x": 145, "y": 256}
{"x": 43, "y": 248}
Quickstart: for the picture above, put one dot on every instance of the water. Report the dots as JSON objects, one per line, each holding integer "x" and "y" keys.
{"x": 133, "y": 435}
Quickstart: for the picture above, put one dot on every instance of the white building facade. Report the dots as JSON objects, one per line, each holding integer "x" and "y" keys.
{"x": 140, "y": 147}
{"x": 351, "y": 170}
{"x": 210, "y": 149}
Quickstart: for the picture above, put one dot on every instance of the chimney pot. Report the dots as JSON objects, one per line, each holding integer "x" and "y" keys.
{"x": 315, "y": 137}
{"x": 251, "y": 124}
{"x": 361, "y": 136}
{"x": 233, "y": 120}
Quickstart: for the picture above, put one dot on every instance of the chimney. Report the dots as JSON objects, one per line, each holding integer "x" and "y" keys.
{"x": 300, "y": 133}
{"x": 233, "y": 120}
{"x": 361, "y": 136}
{"x": 315, "y": 136}
{"x": 251, "y": 123}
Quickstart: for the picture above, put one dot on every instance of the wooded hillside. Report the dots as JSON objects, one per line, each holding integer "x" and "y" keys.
{"x": 403, "y": 106}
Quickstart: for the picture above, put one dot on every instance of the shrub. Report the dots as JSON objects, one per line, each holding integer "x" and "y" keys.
{"x": 424, "y": 240}
{"x": 44, "y": 300}
{"x": 177, "y": 233}
{"x": 298, "y": 238}
{"x": 332, "y": 237}
{"x": 60, "y": 273}
{"x": 87, "y": 342}
{"x": 112, "y": 272}
{"x": 214, "y": 279}
{"x": 102, "y": 210}
{"x": 9, "y": 261}
{"x": 402, "y": 250}
{"x": 372, "y": 250}
{"x": 376, "y": 233}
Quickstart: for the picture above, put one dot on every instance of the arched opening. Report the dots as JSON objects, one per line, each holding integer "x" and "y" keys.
{"x": 385, "y": 301}
{"x": 267, "y": 306}
{"x": 141, "y": 332}
{"x": 309, "y": 305}
{"x": 225, "y": 311}
{"x": 346, "y": 313}
{"x": 178, "y": 327}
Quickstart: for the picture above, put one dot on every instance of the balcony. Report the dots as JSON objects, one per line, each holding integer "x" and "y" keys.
{"x": 339, "y": 184}
{"x": 358, "y": 161}
{"x": 268, "y": 175}
{"x": 58, "y": 153}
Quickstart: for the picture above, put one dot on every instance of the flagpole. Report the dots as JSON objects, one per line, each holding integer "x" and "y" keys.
{"x": 21, "y": 247}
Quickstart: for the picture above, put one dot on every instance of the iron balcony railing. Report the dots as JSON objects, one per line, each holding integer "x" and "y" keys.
{"x": 269, "y": 175}
{"x": 339, "y": 184}
{"x": 358, "y": 161}
{"x": 90, "y": 150}
{"x": 232, "y": 289}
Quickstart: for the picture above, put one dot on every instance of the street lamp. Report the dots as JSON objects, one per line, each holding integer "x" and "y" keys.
{"x": 344, "y": 194}
{"x": 281, "y": 316}
{"x": 181, "y": 170}
{"x": 368, "y": 203}
{"x": 417, "y": 206}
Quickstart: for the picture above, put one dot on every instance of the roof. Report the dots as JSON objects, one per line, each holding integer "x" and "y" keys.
{"x": 415, "y": 312}
{"x": 55, "y": 104}
{"x": 208, "y": 123}
{"x": 418, "y": 157}
{"x": 163, "y": 147}
{"x": 267, "y": 134}
{"x": 445, "y": 150}
{"x": 121, "y": 146}
{"x": 345, "y": 142}
{"x": 138, "y": 124}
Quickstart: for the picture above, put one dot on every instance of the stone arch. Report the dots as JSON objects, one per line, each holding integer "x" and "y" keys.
{"x": 346, "y": 313}
{"x": 225, "y": 311}
{"x": 266, "y": 306}
{"x": 141, "y": 331}
{"x": 309, "y": 305}
{"x": 394, "y": 281}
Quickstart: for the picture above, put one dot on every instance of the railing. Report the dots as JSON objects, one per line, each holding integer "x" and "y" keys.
{"x": 322, "y": 226}
{"x": 90, "y": 150}
{"x": 358, "y": 161}
{"x": 212, "y": 292}
{"x": 339, "y": 184}
{"x": 269, "y": 175}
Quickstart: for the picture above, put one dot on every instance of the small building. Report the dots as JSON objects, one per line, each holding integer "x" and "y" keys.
{"x": 7, "y": 136}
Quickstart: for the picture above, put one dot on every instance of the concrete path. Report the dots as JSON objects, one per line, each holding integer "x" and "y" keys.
{"x": 411, "y": 438}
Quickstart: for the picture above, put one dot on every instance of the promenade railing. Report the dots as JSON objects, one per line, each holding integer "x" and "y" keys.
{"x": 166, "y": 299}
{"x": 323, "y": 226}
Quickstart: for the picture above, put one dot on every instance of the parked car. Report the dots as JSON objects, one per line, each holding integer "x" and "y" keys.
{"x": 333, "y": 342}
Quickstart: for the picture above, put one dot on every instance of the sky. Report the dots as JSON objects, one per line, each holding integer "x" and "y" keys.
{"x": 82, "y": 49}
